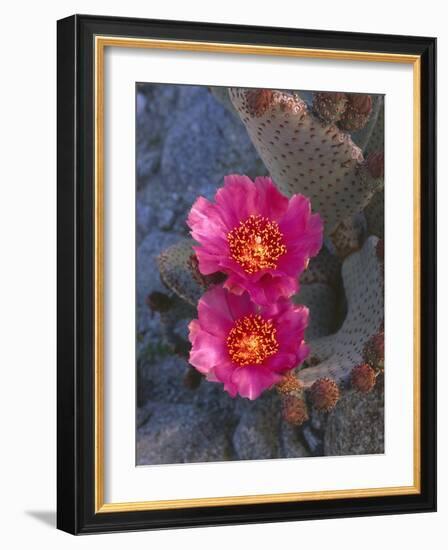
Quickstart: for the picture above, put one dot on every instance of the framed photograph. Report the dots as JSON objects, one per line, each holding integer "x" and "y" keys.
{"x": 246, "y": 274}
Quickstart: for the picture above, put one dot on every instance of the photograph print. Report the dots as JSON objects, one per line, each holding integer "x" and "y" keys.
{"x": 259, "y": 274}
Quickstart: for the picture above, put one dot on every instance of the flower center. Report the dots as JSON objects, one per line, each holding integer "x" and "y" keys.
{"x": 256, "y": 243}
{"x": 252, "y": 340}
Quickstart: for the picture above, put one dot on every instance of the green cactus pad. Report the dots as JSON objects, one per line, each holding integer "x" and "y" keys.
{"x": 177, "y": 273}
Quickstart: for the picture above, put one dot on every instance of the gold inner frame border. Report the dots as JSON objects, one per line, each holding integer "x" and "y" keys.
{"x": 100, "y": 43}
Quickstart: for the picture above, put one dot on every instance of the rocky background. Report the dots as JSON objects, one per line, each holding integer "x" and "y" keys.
{"x": 187, "y": 141}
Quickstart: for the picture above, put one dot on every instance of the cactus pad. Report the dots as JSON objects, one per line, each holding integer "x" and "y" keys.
{"x": 305, "y": 155}
{"x": 177, "y": 271}
{"x": 336, "y": 355}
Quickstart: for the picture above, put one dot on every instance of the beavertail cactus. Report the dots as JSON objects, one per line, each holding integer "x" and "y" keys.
{"x": 307, "y": 155}
{"x": 178, "y": 266}
{"x": 335, "y": 356}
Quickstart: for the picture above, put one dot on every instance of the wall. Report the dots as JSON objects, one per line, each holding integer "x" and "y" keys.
{"x": 27, "y": 289}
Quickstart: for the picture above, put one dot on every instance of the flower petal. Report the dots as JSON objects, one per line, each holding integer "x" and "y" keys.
{"x": 271, "y": 203}
{"x": 252, "y": 381}
{"x": 207, "y": 350}
{"x": 239, "y": 198}
{"x": 282, "y": 362}
{"x": 302, "y": 230}
{"x": 270, "y": 288}
{"x": 214, "y": 313}
{"x": 204, "y": 220}
{"x": 208, "y": 263}
{"x": 218, "y": 310}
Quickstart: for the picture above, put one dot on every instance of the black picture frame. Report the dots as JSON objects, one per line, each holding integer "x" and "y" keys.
{"x": 75, "y": 295}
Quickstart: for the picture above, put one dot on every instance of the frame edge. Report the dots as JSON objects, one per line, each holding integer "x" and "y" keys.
{"x": 67, "y": 501}
{"x": 73, "y": 514}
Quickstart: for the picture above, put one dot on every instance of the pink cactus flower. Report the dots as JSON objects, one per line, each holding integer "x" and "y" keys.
{"x": 246, "y": 347}
{"x": 255, "y": 235}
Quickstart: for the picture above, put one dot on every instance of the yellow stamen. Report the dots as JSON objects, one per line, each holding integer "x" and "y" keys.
{"x": 252, "y": 340}
{"x": 256, "y": 243}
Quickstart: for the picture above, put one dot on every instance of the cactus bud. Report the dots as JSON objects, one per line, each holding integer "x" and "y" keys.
{"x": 294, "y": 410}
{"x": 357, "y": 112}
{"x": 258, "y": 101}
{"x": 374, "y": 351}
{"x": 324, "y": 394}
{"x": 158, "y": 301}
{"x": 347, "y": 237}
{"x": 329, "y": 106}
{"x": 363, "y": 378}
{"x": 289, "y": 384}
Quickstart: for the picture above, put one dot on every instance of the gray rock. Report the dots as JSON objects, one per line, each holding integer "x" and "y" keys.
{"x": 181, "y": 328}
{"x": 147, "y": 163}
{"x": 164, "y": 382}
{"x": 145, "y": 220}
{"x": 204, "y": 143}
{"x": 182, "y": 433}
{"x": 222, "y": 95}
{"x": 257, "y": 434}
{"x": 356, "y": 425}
{"x": 148, "y": 278}
{"x": 155, "y": 106}
{"x": 318, "y": 419}
{"x": 313, "y": 440}
{"x": 143, "y": 413}
{"x": 163, "y": 379}
{"x": 140, "y": 104}
{"x": 292, "y": 444}
{"x": 166, "y": 219}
